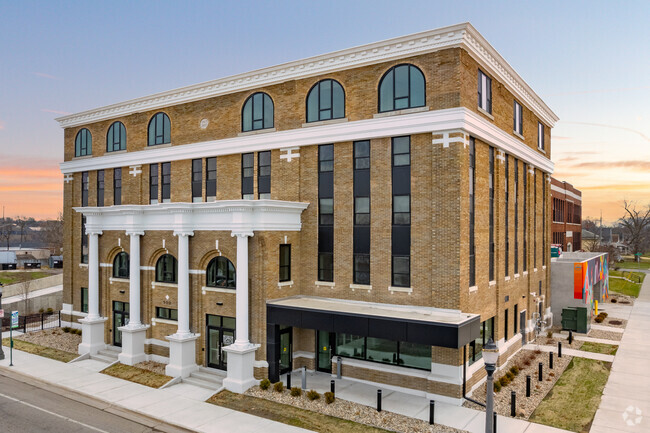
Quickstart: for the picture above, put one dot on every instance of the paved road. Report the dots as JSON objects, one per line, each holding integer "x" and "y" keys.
{"x": 26, "y": 408}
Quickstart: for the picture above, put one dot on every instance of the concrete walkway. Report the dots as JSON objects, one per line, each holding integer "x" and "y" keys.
{"x": 416, "y": 406}
{"x": 584, "y": 338}
{"x": 181, "y": 405}
{"x": 625, "y": 406}
{"x": 607, "y": 328}
{"x": 572, "y": 352}
{"x": 32, "y": 295}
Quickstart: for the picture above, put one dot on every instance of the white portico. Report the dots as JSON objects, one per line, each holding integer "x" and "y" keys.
{"x": 241, "y": 217}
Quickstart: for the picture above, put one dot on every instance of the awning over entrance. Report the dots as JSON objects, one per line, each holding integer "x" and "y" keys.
{"x": 413, "y": 324}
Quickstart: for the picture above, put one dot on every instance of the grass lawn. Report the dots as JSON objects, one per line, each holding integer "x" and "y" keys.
{"x": 637, "y": 277}
{"x": 7, "y": 278}
{"x": 289, "y": 414}
{"x": 624, "y": 287}
{"x": 608, "y": 349}
{"x": 137, "y": 375}
{"x": 47, "y": 352}
{"x": 633, "y": 265}
{"x": 573, "y": 401}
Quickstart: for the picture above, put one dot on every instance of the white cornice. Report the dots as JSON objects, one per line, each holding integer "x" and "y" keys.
{"x": 460, "y": 35}
{"x": 228, "y": 215}
{"x": 407, "y": 124}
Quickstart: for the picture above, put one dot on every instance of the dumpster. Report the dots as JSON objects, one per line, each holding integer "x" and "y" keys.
{"x": 570, "y": 319}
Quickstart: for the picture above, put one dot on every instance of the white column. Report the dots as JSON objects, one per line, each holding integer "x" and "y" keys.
{"x": 241, "y": 304}
{"x": 134, "y": 279}
{"x": 183, "y": 284}
{"x": 93, "y": 275}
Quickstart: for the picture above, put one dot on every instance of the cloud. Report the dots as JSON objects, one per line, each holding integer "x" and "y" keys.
{"x": 47, "y": 110}
{"x": 602, "y": 125}
{"x": 618, "y": 187}
{"x": 628, "y": 165}
{"x": 44, "y": 75}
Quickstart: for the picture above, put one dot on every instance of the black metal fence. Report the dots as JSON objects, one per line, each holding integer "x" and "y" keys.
{"x": 34, "y": 322}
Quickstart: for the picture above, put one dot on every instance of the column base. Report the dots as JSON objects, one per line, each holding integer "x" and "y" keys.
{"x": 133, "y": 344}
{"x": 241, "y": 359}
{"x": 92, "y": 336}
{"x": 182, "y": 355}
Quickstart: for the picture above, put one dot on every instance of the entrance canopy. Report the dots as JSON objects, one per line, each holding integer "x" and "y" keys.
{"x": 413, "y": 324}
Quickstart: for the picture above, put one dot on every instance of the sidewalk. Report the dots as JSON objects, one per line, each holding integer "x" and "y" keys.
{"x": 625, "y": 406}
{"x": 182, "y": 405}
{"x": 571, "y": 352}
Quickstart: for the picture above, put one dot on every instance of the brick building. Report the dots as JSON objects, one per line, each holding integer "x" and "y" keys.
{"x": 567, "y": 215}
{"x": 385, "y": 204}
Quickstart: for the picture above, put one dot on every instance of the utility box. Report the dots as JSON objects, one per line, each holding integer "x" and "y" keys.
{"x": 576, "y": 319}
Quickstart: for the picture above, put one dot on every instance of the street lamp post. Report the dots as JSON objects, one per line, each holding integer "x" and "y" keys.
{"x": 490, "y": 357}
{"x": 2, "y": 354}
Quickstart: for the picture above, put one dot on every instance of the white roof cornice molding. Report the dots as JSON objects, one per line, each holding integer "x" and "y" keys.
{"x": 460, "y": 35}
{"x": 228, "y": 215}
{"x": 392, "y": 126}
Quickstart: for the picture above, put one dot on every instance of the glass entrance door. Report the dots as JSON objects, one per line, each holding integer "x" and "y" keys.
{"x": 286, "y": 364}
{"x": 324, "y": 351}
{"x": 120, "y": 318}
{"x": 220, "y": 333}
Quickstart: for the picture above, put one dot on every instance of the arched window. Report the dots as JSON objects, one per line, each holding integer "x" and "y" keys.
{"x": 257, "y": 112}
{"x": 221, "y": 273}
{"x": 325, "y": 101}
{"x": 401, "y": 87}
{"x": 83, "y": 144}
{"x": 159, "y": 129}
{"x": 116, "y": 137}
{"x": 121, "y": 266}
{"x": 167, "y": 269}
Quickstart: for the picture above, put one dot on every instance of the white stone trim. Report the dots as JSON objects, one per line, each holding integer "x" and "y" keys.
{"x": 506, "y": 278}
{"x": 324, "y": 284}
{"x": 525, "y": 273}
{"x": 325, "y": 122}
{"x": 534, "y": 269}
{"x": 517, "y": 275}
{"x": 156, "y": 342}
{"x": 289, "y": 156}
{"x": 285, "y": 283}
{"x": 446, "y": 140}
{"x": 155, "y": 284}
{"x": 67, "y": 309}
{"x": 197, "y": 271}
{"x": 206, "y": 289}
{"x": 400, "y": 112}
{"x": 256, "y": 132}
{"x": 462, "y": 35}
{"x": 566, "y": 191}
{"x": 260, "y": 364}
{"x": 83, "y": 265}
{"x": 112, "y": 280}
{"x": 361, "y": 287}
{"x": 105, "y": 265}
{"x": 303, "y": 354}
{"x": 155, "y": 321}
{"x": 147, "y": 268}
{"x": 493, "y": 283}
{"x": 158, "y": 358}
{"x": 473, "y": 289}
{"x": 437, "y": 121}
{"x": 519, "y": 135}
{"x": 485, "y": 112}
{"x": 393, "y": 289}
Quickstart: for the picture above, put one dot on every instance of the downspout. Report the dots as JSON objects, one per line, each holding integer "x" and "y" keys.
{"x": 465, "y": 379}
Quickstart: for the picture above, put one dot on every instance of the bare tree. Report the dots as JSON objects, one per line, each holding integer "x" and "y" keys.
{"x": 591, "y": 244}
{"x": 635, "y": 224}
{"x": 5, "y": 232}
{"x": 53, "y": 235}
{"x": 590, "y": 224}
{"x": 25, "y": 283}
{"x": 21, "y": 222}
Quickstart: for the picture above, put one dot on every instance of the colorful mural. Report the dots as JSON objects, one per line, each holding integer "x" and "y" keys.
{"x": 586, "y": 275}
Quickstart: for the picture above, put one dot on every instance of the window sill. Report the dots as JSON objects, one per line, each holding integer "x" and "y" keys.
{"x": 115, "y": 152}
{"x": 361, "y": 287}
{"x": 399, "y": 112}
{"x": 493, "y": 283}
{"x": 393, "y": 289}
{"x": 324, "y": 122}
{"x": 517, "y": 275}
{"x": 83, "y": 265}
{"x": 205, "y": 289}
{"x": 544, "y": 267}
{"x": 155, "y": 284}
{"x": 112, "y": 280}
{"x": 541, "y": 150}
{"x": 521, "y": 137}
{"x": 525, "y": 273}
{"x": 257, "y": 131}
{"x": 507, "y": 278}
{"x": 158, "y": 146}
{"x": 285, "y": 283}
{"x": 324, "y": 284}
{"x": 473, "y": 289}
{"x": 165, "y": 321}
{"x": 482, "y": 111}
{"x": 81, "y": 157}
{"x": 534, "y": 269}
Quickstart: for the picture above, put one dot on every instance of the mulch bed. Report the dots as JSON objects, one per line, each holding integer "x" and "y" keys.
{"x": 53, "y": 338}
{"x": 614, "y": 322}
{"x": 619, "y": 298}
{"x": 607, "y": 335}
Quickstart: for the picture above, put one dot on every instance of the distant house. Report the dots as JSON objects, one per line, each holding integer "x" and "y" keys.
{"x": 56, "y": 262}
{"x": 8, "y": 260}
{"x": 34, "y": 258}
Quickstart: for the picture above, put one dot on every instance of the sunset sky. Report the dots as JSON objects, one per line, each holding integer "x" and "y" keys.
{"x": 587, "y": 60}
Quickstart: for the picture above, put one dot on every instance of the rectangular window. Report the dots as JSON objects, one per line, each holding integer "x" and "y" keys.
{"x": 361, "y": 224}
{"x": 285, "y": 262}
{"x": 153, "y": 183}
{"x": 197, "y": 177}
{"x": 544, "y": 222}
{"x": 484, "y": 92}
{"x": 507, "y": 215}
{"x": 505, "y": 325}
{"x": 166, "y": 313}
{"x": 166, "y": 181}
{"x": 100, "y": 188}
{"x": 326, "y": 212}
{"x": 540, "y": 135}
{"x": 525, "y": 217}
{"x": 518, "y": 119}
{"x": 264, "y": 175}
{"x": 84, "y": 188}
{"x": 84, "y": 299}
{"x": 84, "y": 241}
{"x": 472, "y": 184}
{"x": 247, "y": 171}
{"x": 516, "y": 216}
{"x": 211, "y": 179}
{"x": 383, "y": 351}
{"x": 401, "y": 229}
{"x": 492, "y": 181}
{"x": 476, "y": 346}
{"x": 117, "y": 186}
{"x": 515, "y": 318}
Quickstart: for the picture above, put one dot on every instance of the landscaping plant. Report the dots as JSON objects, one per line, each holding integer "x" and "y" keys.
{"x": 296, "y": 391}
{"x": 278, "y": 387}
{"x": 313, "y": 395}
{"x": 329, "y": 397}
{"x": 265, "y": 384}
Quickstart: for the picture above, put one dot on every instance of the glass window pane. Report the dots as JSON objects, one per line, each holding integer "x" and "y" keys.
{"x": 401, "y": 145}
{"x": 326, "y": 206}
{"x": 268, "y": 112}
{"x": 312, "y": 105}
{"x": 417, "y": 87}
{"x": 382, "y": 350}
{"x": 401, "y": 160}
{"x": 338, "y": 101}
{"x": 401, "y": 82}
{"x": 401, "y": 265}
{"x": 265, "y": 158}
{"x": 247, "y": 116}
{"x": 362, "y": 163}
{"x": 350, "y": 345}
{"x": 362, "y": 204}
{"x": 401, "y": 203}
{"x": 257, "y": 106}
{"x": 415, "y": 355}
{"x": 361, "y": 149}
{"x": 229, "y": 322}
{"x": 248, "y": 160}
{"x": 325, "y": 94}
{"x": 401, "y": 103}
{"x": 386, "y": 93}
{"x": 326, "y": 153}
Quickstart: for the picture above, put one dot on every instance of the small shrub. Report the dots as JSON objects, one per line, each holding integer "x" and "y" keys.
{"x": 497, "y": 386}
{"x": 614, "y": 300}
{"x": 514, "y": 370}
{"x": 313, "y": 395}
{"x": 537, "y": 352}
{"x": 50, "y": 310}
{"x": 504, "y": 381}
{"x": 549, "y": 334}
{"x": 41, "y": 310}
{"x": 329, "y": 397}
{"x": 510, "y": 376}
{"x": 551, "y": 374}
{"x": 66, "y": 329}
{"x": 599, "y": 319}
{"x": 265, "y": 384}
{"x": 603, "y": 314}
{"x": 278, "y": 387}
{"x": 527, "y": 362}
{"x": 296, "y": 392}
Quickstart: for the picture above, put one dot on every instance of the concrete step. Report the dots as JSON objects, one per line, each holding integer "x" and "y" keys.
{"x": 201, "y": 383}
{"x": 109, "y": 354}
{"x": 113, "y": 349}
{"x": 103, "y": 358}
{"x": 207, "y": 377}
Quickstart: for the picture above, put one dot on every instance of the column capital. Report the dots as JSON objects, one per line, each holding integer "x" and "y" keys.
{"x": 135, "y": 232}
{"x": 183, "y": 233}
{"x": 93, "y": 231}
{"x": 242, "y": 233}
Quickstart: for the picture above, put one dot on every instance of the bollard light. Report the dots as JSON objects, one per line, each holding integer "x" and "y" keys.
{"x": 490, "y": 356}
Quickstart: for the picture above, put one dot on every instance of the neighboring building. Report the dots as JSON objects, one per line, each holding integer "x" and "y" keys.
{"x": 590, "y": 239}
{"x": 368, "y": 204}
{"x": 578, "y": 280}
{"x": 56, "y": 262}
{"x": 8, "y": 260}
{"x": 567, "y": 215}
{"x": 32, "y": 258}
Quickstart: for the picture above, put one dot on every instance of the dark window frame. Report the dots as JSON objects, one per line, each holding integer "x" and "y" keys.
{"x": 84, "y": 240}
{"x": 121, "y": 269}
{"x": 166, "y": 313}
{"x": 325, "y": 265}
{"x": 161, "y": 133}
{"x": 246, "y": 192}
{"x": 196, "y": 180}
{"x": 263, "y": 119}
{"x": 166, "y": 182}
{"x": 518, "y": 127}
{"x": 361, "y": 220}
{"x": 100, "y": 188}
{"x": 317, "y": 88}
{"x": 488, "y": 90}
{"x": 116, "y": 137}
{"x": 507, "y": 214}
{"x": 212, "y": 277}
{"x": 84, "y": 300}
{"x": 472, "y": 212}
{"x": 117, "y": 186}
{"x": 166, "y": 275}
{"x": 263, "y": 180}
{"x": 154, "y": 183}
{"x": 391, "y": 73}
{"x": 540, "y": 136}
{"x": 400, "y": 168}
{"x": 211, "y": 178}
{"x": 491, "y": 246}
{"x": 284, "y": 266}
{"x": 84, "y": 188}
{"x": 83, "y": 143}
